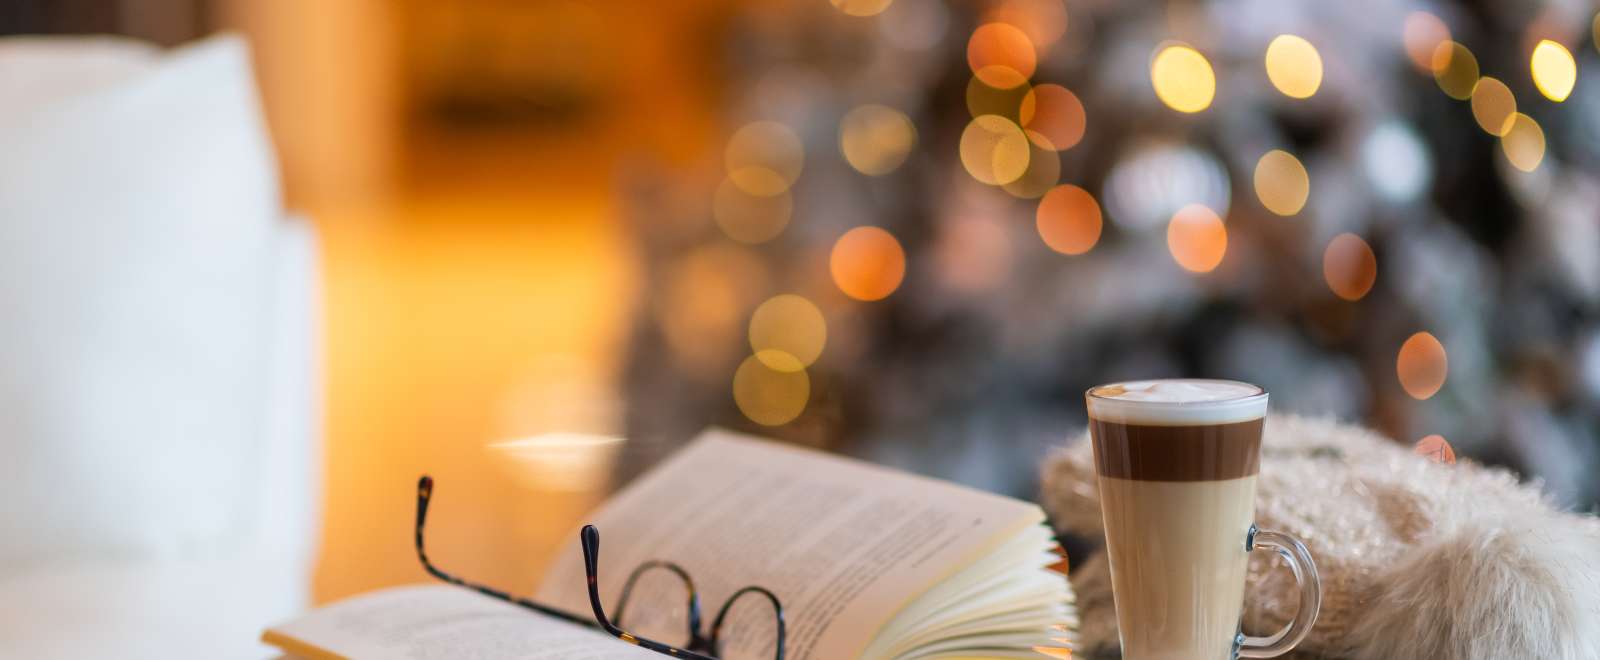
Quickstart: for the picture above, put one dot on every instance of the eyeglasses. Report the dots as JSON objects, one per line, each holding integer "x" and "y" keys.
{"x": 699, "y": 647}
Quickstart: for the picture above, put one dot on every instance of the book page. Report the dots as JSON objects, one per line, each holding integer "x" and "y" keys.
{"x": 441, "y": 621}
{"x": 844, "y": 544}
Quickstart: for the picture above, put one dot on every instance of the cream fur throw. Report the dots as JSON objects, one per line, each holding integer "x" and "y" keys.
{"x": 1418, "y": 560}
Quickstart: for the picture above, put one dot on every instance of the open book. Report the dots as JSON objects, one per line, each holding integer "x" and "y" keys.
{"x": 869, "y": 563}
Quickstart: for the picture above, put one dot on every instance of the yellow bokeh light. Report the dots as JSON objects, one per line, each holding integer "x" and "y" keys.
{"x": 1455, "y": 69}
{"x": 787, "y": 327}
{"x": 867, "y": 263}
{"x": 1001, "y": 55}
{"x": 1523, "y": 143}
{"x": 1282, "y": 183}
{"x": 1183, "y": 79}
{"x": 876, "y": 139}
{"x": 1054, "y": 113}
{"x": 1435, "y": 448}
{"x": 1493, "y": 106}
{"x": 1044, "y": 169}
{"x": 1043, "y": 21}
{"x": 1008, "y": 102}
{"x": 764, "y": 158}
{"x": 1068, "y": 219}
{"x": 768, "y": 396}
{"x": 1422, "y": 34}
{"x": 1349, "y": 267}
{"x": 1293, "y": 66}
{"x": 1554, "y": 71}
{"x": 750, "y": 218}
{"x": 862, "y": 7}
{"x": 994, "y": 150}
{"x": 1197, "y": 239}
{"x": 1422, "y": 365}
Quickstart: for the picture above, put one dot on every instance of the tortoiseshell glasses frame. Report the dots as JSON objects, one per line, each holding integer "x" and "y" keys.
{"x": 700, "y": 646}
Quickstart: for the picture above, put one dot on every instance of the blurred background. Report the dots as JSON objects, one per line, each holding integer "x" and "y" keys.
{"x": 907, "y": 230}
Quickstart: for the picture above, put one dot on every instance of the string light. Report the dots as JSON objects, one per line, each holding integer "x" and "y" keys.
{"x": 1422, "y": 33}
{"x": 1422, "y": 365}
{"x": 1054, "y": 113}
{"x": 1435, "y": 448}
{"x": 1068, "y": 219}
{"x": 750, "y": 218}
{"x": 764, "y": 158}
{"x": 1197, "y": 239}
{"x": 867, "y": 263}
{"x": 1523, "y": 143}
{"x": 1293, "y": 66}
{"x": 1282, "y": 183}
{"x": 1008, "y": 102}
{"x": 768, "y": 396}
{"x": 1183, "y": 79}
{"x": 1043, "y": 21}
{"x": 1455, "y": 69}
{"x": 994, "y": 150}
{"x": 1493, "y": 106}
{"x": 876, "y": 139}
{"x": 1043, "y": 172}
{"x": 787, "y": 332}
{"x": 1001, "y": 55}
{"x": 1349, "y": 267}
{"x": 1554, "y": 71}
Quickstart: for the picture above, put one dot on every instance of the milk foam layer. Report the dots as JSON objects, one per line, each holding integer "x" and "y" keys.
{"x": 1177, "y": 402}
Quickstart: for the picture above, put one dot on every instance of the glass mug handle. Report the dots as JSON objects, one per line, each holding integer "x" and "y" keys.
{"x": 1295, "y": 554}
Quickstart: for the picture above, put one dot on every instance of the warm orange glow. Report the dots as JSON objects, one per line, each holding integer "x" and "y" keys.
{"x": 994, "y": 150}
{"x": 1435, "y": 448}
{"x": 1197, "y": 239}
{"x": 787, "y": 327}
{"x": 1056, "y": 114}
{"x": 1183, "y": 79}
{"x": 1001, "y": 55}
{"x": 1554, "y": 71}
{"x": 1455, "y": 69}
{"x": 1422, "y": 365}
{"x": 1043, "y": 21}
{"x": 1282, "y": 183}
{"x": 1493, "y": 106}
{"x": 862, "y": 7}
{"x": 876, "y": 139}
{"x": 1523, "y": 143}
{"x": 1349, "y": 267}
{"x": 867, "y": 263}
{"x": 1068, "y": 220}
{"x": 768, "y": 396}
{"x": 750, "y": 218}
{"x": 1422, "y": 33}
{"x": 1293, "y": 66}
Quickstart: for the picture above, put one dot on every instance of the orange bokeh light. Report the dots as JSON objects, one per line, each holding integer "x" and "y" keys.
{"x": 1197, "y": 238}
{"x": 1068, "y": 219}
{"x": 1001, "y": 55}
{"x": 1422, "y": 365}
{"x": 1043, "y": 21}
{"x": 1349, "y": 267}
{"x": 867, "y": 263}
{"x": 1422, "y": 33}
{"x": 1435, "y": 448}
{"x": 1055, "y": 113}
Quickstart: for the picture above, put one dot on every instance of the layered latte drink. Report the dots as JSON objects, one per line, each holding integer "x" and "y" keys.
{"x": 1177, "y": 461}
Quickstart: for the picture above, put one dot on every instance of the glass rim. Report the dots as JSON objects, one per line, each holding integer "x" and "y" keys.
{"x": 1259, "y": 393}
{"x": 1241, "y": 408}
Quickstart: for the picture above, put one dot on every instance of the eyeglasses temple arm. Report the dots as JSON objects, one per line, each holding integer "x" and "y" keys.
{"x": 590, "y": 538}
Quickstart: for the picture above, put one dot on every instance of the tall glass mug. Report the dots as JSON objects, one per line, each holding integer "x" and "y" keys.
{"x": 1178, "y": 461}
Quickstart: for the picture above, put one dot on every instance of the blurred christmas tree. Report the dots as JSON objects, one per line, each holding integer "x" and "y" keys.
{"x": 933, "y": 226}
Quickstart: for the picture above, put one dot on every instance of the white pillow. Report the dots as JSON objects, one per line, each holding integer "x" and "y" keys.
{"x": 136, "y": 209}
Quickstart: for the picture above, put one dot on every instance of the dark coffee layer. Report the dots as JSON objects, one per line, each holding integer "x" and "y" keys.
{"x": 1202, "y": 452}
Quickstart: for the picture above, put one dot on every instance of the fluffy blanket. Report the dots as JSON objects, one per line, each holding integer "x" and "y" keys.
{"x": 1418, "y": 559}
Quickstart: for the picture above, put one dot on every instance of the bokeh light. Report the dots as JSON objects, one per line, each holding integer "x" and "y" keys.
{"x": 1349, "y": 267}
{"x": 1001, "y": 55}
{"x": 1068, "y": 219}
{"x": 1523, "y": 143}
{"x": 764, "y": 158}
{"x": 1422, "y": 33}
{"x": 994, "y": 150}
{"x": 1493, "y": 106}
{"x": 1282, "y": 183}
{"x": 1554, "y": 71}
{"x": 1435, "y": 448}
{"x": 867, "y": 263}
{"x": 862, "y": 7}
{"x": 1043, "y": 172}
{"x": 1293, "y": 66}
{"x": 1183, "y": 79}
{"x": 787, "y": 332}
{"x": 705, "y": 295}
{"x": 1396, "y": 162}
{"x": 1197, "y": 238}
{"x": 1008, "y": 102}
{"x": 1455, "y": 69}
{"x": 1149, "y": 184}
{"x": 1054, "y": 113}
{"x": 750, "y": 218}
{"x": 768, "y": 396}
{"x": 1422, "y": 365}
{"x": 1043, "y": 21}
{"x": 876, "y": 139}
